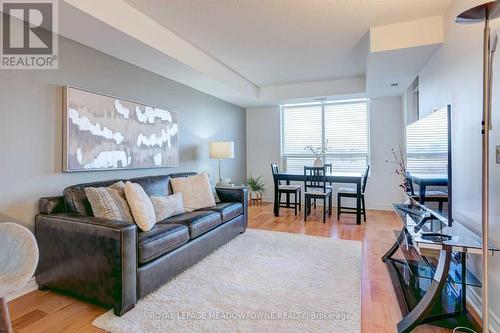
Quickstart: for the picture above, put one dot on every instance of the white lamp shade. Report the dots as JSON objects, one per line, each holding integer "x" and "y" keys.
{"x": 221, "y": 150}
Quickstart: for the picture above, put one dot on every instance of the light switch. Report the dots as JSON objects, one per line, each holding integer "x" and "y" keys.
{"x": 497, "y": 150}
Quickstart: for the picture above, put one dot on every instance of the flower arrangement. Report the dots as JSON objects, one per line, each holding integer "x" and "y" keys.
{"x": 318, "y": 152}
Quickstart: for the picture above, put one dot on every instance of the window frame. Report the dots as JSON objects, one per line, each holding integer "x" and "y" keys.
{"x": 323, "y": 132}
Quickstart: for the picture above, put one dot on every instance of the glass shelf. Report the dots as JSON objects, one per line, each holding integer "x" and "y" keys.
{"x": 422, "y": 266}
{"x": 451, "y": 301}
{"x": 462, "y": 239}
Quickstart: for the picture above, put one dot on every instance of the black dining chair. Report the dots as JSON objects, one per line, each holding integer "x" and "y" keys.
{"x": 287, "y": 189}
{"x": 329, "y": 169}
{"x": 430, "y": 196}
{"x": 315, "y": 188}
{"x": 347, "y": 192}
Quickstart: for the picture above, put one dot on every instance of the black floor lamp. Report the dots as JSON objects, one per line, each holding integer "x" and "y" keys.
{"x": 485, "y": 12}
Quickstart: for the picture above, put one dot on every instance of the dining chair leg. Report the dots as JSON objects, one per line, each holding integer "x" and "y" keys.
{"x": 363, "y": 207}
{"x": 275, "y": 208}
{"x": 324, "y": 210}
{"x": 305, "y": 209}
{"x": 314, "y": 203}
{"x": 330, "y": 205}
{"x": 338, "y": 207}
{"x": 295, "y": 203}
{"x": 278, "y": 204}
{"x": 440, "y": 208}
{"x": 300, "y": 200}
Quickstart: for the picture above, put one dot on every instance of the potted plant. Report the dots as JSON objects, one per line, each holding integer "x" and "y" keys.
{"x": 257, "y": 187}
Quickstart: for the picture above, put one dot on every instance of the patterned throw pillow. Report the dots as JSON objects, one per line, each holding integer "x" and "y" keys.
{"x": 196, "y": 191}
{"x": 141, "y": 206}
{"x": 109, "y": 202}
{"x": 167, "y": 206}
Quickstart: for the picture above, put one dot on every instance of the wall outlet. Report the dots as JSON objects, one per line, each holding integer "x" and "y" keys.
{"x": 497, "y": 150}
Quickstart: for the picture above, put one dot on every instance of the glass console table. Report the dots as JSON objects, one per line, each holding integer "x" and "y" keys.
{"x": 428, "y": 268}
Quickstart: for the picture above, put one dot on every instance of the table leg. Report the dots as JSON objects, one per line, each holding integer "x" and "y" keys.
{"x": 288, "y": 196}
{"x": 395, "y": 246}
{"x": 421, "y": 311}
{"x": 422, "y": 193}
{"x": 358, "y": 202}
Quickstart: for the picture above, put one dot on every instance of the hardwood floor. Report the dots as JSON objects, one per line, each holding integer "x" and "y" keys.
{"x": 46, "y": 311}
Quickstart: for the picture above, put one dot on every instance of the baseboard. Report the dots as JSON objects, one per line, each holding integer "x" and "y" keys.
{"x": 369, "y": 206}
{"x": 380, "y": 207}
{"x": 474, "y": 301}
{"x": 28, "y": 287}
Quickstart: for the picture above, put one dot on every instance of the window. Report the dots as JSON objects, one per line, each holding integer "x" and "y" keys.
{"x": 427, "y": 144}
{"x": 340, "y": 126}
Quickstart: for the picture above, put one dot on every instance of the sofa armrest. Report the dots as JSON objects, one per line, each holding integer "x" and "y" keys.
{"x": 88, "y": 257}
{"x": 51, "y": 205}
{"x": 235, "y": 194}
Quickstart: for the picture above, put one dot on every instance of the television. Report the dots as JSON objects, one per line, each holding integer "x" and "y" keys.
{"x": 429, "y": 163}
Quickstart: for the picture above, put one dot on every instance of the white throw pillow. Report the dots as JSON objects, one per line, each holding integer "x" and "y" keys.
{"x": 167, "y": 206}
{"x": 141, "y": 206}
{"x": 196, "y": 191}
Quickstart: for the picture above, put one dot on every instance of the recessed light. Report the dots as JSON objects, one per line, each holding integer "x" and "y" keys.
{"x": 394, "y": 84}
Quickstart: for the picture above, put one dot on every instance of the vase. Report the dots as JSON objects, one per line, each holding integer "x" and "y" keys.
{"x": 318, "y": 162}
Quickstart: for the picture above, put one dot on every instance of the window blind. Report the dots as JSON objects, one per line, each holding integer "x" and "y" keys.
{"x": 427, "y": 144}
{"x": 340, "y": 126}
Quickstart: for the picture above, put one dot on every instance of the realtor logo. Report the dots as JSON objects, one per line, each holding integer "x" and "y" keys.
{"x": 29, "y": 34}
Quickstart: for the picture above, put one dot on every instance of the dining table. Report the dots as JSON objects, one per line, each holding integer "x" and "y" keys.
{"x": 430, "y": 179}
{"x": 351, "y": 177}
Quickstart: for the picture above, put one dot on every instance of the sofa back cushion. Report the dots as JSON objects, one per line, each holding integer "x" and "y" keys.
{"x": 154, "y": 185}
{"x": 76, "y": 200}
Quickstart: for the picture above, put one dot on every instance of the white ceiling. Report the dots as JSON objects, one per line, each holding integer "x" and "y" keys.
{"x": 278, "y": 42}
{"x": 264, "y": 52}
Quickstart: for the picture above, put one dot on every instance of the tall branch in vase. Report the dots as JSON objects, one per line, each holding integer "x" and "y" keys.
{"x": 399, "y": 162}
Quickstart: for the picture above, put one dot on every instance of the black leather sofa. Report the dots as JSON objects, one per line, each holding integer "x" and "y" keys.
{"x": 113, "y": 263}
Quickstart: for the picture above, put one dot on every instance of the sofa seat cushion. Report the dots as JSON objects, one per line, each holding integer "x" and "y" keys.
{"x": 162, "y": 239}
{"x": 198, "y": 221}
{"x": 227, "y": 210}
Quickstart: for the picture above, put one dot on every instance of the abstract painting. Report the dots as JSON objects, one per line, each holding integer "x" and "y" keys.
{"x": 106, "y": 133}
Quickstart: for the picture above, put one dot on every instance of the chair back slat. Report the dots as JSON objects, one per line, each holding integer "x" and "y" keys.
{"x": 365, "y": 178}
{"x": 315, "y": 178}
{"x": 275, "y": 170}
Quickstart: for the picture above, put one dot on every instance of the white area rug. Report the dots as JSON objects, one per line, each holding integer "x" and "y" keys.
{"x": 262, "y": 281}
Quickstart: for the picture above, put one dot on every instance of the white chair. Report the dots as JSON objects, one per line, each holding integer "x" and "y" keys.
{"x": 18, "y": 261}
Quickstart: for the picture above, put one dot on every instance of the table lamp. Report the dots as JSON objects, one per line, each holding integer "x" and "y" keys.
{"x": 221, "y": 150}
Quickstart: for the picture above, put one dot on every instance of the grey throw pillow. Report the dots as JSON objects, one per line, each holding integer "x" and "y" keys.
{"x": 109, "y": 202}
{"x": 167, "y": 206}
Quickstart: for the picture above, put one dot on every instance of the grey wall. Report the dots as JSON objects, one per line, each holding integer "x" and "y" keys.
{"x": 454, "y": 76}
{"x": 31, "y": 125}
